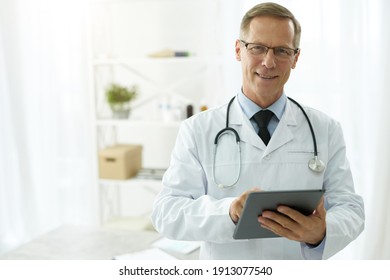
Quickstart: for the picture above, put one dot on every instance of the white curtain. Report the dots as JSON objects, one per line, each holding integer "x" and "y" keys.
{"x": 45, "y": 174}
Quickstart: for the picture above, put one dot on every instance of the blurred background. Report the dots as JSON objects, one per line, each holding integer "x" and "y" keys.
{"x": 59, "y": 136}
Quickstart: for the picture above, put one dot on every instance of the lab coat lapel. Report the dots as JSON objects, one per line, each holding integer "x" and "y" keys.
{"x": 283, "y": 133}
{"x": 242, "y": 124}
{"x": 281, "y": 136}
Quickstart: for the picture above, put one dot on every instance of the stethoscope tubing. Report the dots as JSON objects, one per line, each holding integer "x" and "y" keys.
{"x": 315, "y": 164}
{"x": 313, "y": 135}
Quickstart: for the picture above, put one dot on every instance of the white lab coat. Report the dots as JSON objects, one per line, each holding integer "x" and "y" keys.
{"x": 191, "y": 207}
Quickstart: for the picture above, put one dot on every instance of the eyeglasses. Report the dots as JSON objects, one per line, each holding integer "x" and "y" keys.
{"x": 281, "y": 53}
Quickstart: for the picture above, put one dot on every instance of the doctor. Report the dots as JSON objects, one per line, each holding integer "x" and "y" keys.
{"x": 204, "y": 191}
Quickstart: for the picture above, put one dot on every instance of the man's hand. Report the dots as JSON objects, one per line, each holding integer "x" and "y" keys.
{"x": 238, "y": 204}
{"x": 293, "y": 225}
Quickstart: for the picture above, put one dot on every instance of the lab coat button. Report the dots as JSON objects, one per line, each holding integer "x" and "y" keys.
{"x": 267, "y": 157}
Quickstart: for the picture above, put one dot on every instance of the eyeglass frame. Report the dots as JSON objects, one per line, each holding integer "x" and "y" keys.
{"x": 295, "y": 51}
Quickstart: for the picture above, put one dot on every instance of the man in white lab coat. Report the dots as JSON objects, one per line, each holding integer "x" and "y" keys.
{"x": 193, "y": 206}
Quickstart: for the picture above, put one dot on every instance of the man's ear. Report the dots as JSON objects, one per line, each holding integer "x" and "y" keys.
{"x": 296, "y": 59}
{"x": 238, "y": 50}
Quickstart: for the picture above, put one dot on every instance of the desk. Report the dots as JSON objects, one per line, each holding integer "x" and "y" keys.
{"x": 86, "y": 243}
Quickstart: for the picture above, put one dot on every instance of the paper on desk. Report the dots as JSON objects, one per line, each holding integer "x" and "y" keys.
{"x": 182, "y": 247}
{"x": 148, "y": 254}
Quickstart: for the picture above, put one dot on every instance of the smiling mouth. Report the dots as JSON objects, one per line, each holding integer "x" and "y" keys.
{"x": 266, "y": 77}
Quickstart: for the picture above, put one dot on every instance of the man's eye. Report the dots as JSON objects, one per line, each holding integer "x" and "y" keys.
{"x": 258, "y": 49}
{"x": 282, "y": 52}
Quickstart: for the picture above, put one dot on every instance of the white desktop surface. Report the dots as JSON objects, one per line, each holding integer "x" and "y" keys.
{"x": 87, "y": 243}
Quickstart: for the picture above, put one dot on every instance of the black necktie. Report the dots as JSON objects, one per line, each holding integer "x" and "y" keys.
{"x": 262, "y": 118}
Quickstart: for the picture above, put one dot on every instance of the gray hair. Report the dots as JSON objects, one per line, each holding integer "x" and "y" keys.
{"x": 270, "y": 9}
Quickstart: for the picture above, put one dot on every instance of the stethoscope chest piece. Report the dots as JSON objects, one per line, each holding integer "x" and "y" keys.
{"x": 316, "y": 165}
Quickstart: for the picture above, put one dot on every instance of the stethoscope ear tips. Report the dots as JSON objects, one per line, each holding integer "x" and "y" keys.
{"x": 316, "y": 165}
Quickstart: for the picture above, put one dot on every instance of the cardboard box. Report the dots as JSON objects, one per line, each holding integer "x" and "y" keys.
{"x": 120, "y": 161}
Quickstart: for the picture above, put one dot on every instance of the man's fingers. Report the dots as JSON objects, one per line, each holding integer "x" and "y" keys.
{"x": 238, "y": 204}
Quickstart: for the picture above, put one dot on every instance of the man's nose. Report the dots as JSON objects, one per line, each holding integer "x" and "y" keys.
{"x": 269, "y": 59}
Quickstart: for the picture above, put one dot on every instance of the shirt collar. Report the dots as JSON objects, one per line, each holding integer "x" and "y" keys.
{"x": 250, "y": 108}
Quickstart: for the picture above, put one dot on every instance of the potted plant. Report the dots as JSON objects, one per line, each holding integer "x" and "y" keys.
{"x": 119, "y": 98}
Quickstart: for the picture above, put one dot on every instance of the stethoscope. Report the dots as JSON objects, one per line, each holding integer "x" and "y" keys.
{"x": 314, "y": 164}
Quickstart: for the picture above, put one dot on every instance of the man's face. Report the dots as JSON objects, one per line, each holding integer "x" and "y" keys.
{"x": 264, "y": 75}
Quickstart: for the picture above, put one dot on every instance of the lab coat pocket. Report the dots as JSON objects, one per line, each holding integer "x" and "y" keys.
{"x": 299, "y": 156}
{"x": 298, "y": 173}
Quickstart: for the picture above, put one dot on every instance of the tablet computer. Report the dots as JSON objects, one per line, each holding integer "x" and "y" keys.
{"x": 248, "y": 227}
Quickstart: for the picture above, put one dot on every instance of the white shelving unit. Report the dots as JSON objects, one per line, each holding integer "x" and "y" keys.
{"x": 123, "y": 33}
{"x": 138, "y": 129}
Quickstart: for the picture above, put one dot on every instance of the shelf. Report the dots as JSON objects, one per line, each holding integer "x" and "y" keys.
{"x": 145, "y": 176}
{"x": 137, "y": 123}
{"x": 130, "y": 181}
{"x": 142, "y": 60}
{"x": 163, "y": 77}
